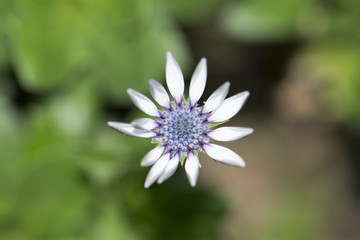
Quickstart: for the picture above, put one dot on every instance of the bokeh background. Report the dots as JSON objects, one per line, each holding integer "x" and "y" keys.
{"x": 65, "y": 66}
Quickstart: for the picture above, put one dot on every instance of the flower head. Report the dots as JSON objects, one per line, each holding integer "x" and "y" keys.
{"x": 181, "y": 129}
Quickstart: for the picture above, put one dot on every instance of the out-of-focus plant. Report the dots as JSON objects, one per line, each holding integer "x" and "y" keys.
{"x": 334, "y": 66}
{"x": 54, "y": 43}
{"x": 64, "y": 174}
{"x": 329, "y": 36}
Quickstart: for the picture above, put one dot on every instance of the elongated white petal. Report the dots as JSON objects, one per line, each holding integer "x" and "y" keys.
{"x": 192, "y": 168}
{"x": 198, "y": 82}
{"x": 229, "y": 107}
{"x": 145, "y": 123}
{"x": 226, "y": 134}
{"x": 156, "y": 170}
{"x": 130, "y": 130}
{"x": 170, "y": 168}
{"x": 159, "y": 93}
{"x": 223, "y": 155}
{"x": 216, "y": 98}
{"x": 143, "y": 103}
{"x": 151, "y": 157}
{"x": 174, "y": 78}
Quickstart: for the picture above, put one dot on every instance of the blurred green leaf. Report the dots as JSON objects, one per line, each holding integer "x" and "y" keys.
{"x": 298, "y": 214}
{"x": 42, "y": 194}
{"x": 75, "y": 109}
{"x": 3, "y": 56}
{"x": 55, "y": 194}
{"x": 130, "y": 49}
{"x": 112, "y": 225}
{"x": 190, "y": 11}
{"x": 344, "y": 19}
{"x": 10, "y": 137}
{"x": 54, "y": 45}
{"x": 120, "y": 43}
{"x": 335, "y": 65}
{"x": 106, "y": 158}
{"x": 158, "y": 211}
{"x": 10, "y": 128}
{"x": 261, "y": 20}
{"x": 4, "y": 12}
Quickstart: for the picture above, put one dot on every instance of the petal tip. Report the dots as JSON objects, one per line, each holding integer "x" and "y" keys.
{"x": 148, "y": 183}
{"x": 169, "y": 55}
{"x": 193, "y": 184}
{"x": 244, "y": 95}
{"x": 241, "y": 164}
{"x": 192, "y": 169}
{"x": 113, "y": 124}
{"x": 130, "y": 91}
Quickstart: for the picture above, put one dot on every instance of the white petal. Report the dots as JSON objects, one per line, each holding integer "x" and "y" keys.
{"x": 170, "y": 168}
{"x": 174, "y": 78}
{"x": 216, "y": 98}
{"x": 159, "y": 93}
{"x": 198, "y": 82}
{"x": 226, "y": 134}
{"x": 229, "y": 107}
{"x": 130, "y": 130}
{"x": 192, "y": 168}
{"x": 143, "y": 103}
{"x": 156, "y": 170}
{"x": 151, "y": 157}
{"x": 223, "y": 155}
{"x": 145, "y": 123}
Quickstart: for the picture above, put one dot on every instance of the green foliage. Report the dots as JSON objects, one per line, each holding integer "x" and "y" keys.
{"x": 334, "y": 65}
{"x": 261, "y": 20}
{"x": 298, "y": 214}
{"x": 3, "y": 26}
{"x": 330, "y": 51}
{"x": 173, "y": 210}
{"x": 64, "y": 174}
{"x": 81, "y": 183}
{"x": 190, "y": 11}
{"x": 105, "y": 39}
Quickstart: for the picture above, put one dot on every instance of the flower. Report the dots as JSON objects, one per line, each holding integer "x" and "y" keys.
{"x": 181, "y": 128}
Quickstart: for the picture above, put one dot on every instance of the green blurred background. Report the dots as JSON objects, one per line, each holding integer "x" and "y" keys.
{"x": 65, "y": 66}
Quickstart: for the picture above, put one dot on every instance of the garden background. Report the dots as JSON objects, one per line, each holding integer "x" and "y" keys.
{"x": 65, "y": 66}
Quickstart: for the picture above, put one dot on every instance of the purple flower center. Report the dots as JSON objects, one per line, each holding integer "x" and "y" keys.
{"x": 182, "y": 128}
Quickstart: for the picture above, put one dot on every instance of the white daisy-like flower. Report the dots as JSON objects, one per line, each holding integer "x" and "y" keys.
{"x": 181, "y": 128}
